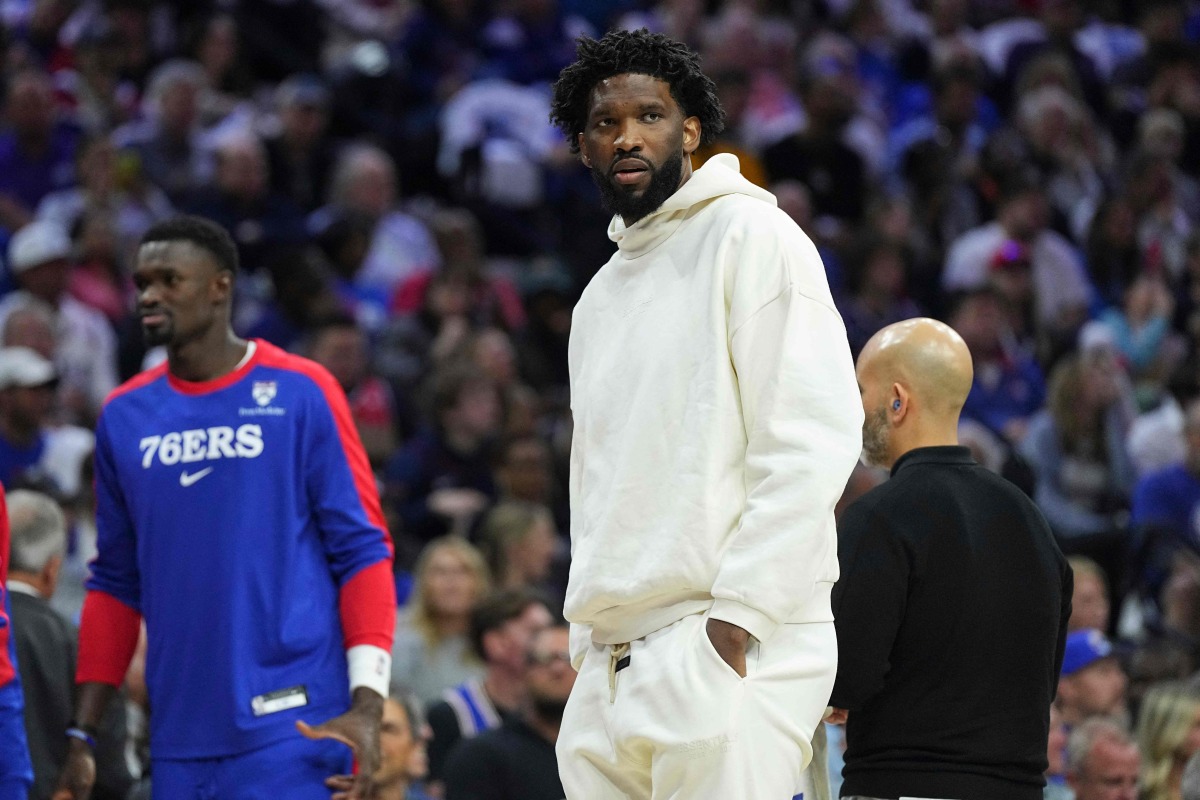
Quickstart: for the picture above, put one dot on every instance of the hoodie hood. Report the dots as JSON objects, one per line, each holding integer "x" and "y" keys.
{"x": 718, "y": 176}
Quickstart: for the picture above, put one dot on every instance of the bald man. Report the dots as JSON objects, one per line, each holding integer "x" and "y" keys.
{"x": 953, "y": 602}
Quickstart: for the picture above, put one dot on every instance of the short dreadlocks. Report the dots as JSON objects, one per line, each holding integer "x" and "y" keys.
{"x": 642, "y": 53}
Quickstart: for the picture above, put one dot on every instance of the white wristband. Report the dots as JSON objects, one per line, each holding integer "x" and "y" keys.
{"x": 369, "y": 666}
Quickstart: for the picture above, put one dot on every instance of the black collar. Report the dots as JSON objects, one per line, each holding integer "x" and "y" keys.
{"x": 945, "y": 454}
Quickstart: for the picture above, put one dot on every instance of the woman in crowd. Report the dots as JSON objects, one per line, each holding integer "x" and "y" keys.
{"x": 1168, "y": 732}
{"x": 431, "y": 651}
{"x": 1076, "y": 447}
{"x": 519, "y": 542}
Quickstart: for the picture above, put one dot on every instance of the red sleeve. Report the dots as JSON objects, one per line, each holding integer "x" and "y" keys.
{"x": 367, "y": 603}
{"x": 108, "y": 635}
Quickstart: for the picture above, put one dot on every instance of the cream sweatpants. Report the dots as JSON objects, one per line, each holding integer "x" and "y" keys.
{"x": 678, "y": 723}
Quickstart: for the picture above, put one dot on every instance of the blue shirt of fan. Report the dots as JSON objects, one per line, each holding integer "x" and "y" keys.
{"x": 1169, "y": 499}
{"x": 230, "y": 517}
{"x": 16, "y": 461}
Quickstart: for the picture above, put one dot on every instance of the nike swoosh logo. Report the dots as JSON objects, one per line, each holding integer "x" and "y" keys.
{"x": 188, "y": 480}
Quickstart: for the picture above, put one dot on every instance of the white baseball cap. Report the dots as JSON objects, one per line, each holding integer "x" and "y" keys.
{"x": 39, "y": 242}
{"x": 21, "y": 366}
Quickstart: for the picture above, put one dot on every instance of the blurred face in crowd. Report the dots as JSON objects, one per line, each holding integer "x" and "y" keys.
{"x": 28, "y": 328}
{"x": 1110, "y": 772}
{"x": 47, "y": 281}
{"x": 372, "y": 186}
{"x": 27, "y": 408}
{"x": 242, "y": 169}
{"x": 30, "y": 106}
{"x": 531, "y": 556}
{"x": 1098, "y": 688}
{"x": 181, "y": 292}
{"x": 178, "y": 107}
{"x": 509, "y": 644}
{"x": 403, "y": 756}
{"x": 343, "y": 351}
{"x": 451, "y": 584}
{"x": 477, "y": 413}
{"x": 979, "y": 321}
{"x": 1024, "y": 216}
{"x": 495, "y": 355}
{"x": 634, "y": 141}
{"x": 1089, "y": 604}
{"x": 303, "y": 123}
{"x": 550, "y": 676}
{"x": 98, "y": 166}
{"x": 525, "y": 472}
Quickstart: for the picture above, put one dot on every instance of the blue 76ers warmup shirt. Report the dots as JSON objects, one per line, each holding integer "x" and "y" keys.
{"x": 229, "y": 513}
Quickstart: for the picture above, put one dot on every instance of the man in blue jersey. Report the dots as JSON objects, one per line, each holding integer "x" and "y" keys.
{"x": 237, "y": 516}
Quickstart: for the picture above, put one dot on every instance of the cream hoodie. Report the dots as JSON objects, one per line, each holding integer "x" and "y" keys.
{"x": 717, "y": 420}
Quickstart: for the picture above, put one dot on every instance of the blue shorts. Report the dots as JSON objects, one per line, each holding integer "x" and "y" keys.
{"x": 295, "y": 768}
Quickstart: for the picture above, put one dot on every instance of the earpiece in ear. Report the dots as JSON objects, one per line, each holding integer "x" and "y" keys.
{"x": 895, "y": 405}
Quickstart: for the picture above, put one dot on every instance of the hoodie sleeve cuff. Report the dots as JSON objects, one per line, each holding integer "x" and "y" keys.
{"x": 753, "y": 621}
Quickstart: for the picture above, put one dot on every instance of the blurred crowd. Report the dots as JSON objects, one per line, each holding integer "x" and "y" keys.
{"x": 406, "y": 215}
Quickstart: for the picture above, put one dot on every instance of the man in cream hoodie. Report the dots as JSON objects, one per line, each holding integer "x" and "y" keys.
{"x": 717, "y": 421}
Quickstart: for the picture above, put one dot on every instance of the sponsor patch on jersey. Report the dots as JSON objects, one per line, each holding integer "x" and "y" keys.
{"x": 279, "y": 700}
{"x": 263, "y": 392}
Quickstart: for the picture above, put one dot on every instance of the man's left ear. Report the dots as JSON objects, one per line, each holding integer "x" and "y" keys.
{"x": 691, "y": 134}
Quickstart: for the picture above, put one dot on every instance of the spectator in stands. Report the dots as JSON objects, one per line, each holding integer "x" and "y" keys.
{"x": 1056, "y": 758}
{"x": 1076, "y": 447}
{"x": 403, "y": 738}
{"x": 301, "y": 155}
{"x": 953, "y": 124}
{"x": 1069, "y": 148}
{"x": 168, "y": 141}
{"x": 517, "y": 759}
{"x": 1092, "y": 683}
{"x": 878, "y": 290}
{"x": 461, "y": 246}
{"x": 1103, "y": 762}
{"x": 241, "y": 200}
{"x": 1060, "y": 286}
{"x": 530, "y": 41}
{"x": 1089, "y": 602}
{"x": 519, "y": 542}
{"x": 1163, "y": 512}
{"x": 101, "y": 97}
{"x": 503, "y": 625}
{"x": 33, "y": 451}
{"x": 1141, "y": 331}
{"x": 39, "y": 258}
{"x": 432, "y": 650}
{"x": 1168, "y": 734}
{"x": 441, "y": 480}
{"x": 364, "y": 181}
{"x": 46, "y": 649}
{"x": 37, "y": 152}
{"x": 542, "y": 345}
{"x": 817, "y": 156}
{"x": 107, "y": 186}
{"x": 1111, "y": 250}
{"x": 1008, "y": 387}
{"x": 340, "y": 346}
{"x": 524, "y": 471}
